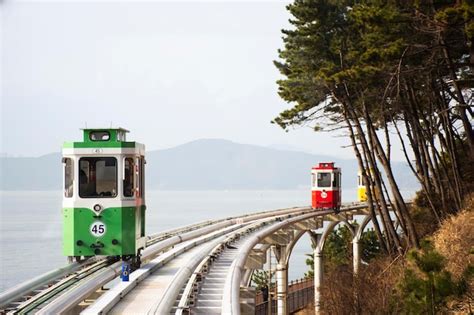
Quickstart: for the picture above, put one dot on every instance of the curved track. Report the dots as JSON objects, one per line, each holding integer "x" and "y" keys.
{"x": 76, "y": 286}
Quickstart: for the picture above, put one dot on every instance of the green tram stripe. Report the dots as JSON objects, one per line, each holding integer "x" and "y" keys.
{"x": 99, "y": 144}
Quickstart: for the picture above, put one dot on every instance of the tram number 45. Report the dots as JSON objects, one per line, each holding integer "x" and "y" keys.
{"x": 98, "y": 228}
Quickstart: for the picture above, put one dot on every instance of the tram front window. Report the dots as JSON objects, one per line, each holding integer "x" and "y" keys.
{"x": 324, "y": 179}
{"x": 98, "y": 177}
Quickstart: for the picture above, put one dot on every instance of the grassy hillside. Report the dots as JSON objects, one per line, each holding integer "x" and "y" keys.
{"x": 437, "y": 278}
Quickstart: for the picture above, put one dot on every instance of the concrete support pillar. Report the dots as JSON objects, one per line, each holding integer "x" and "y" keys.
{"x": 318, "y": 279}
{"x": 268, "y": 263}
{"x": 356, "y": 250}
{"x": 282, "y": 289}
{"x": 268, "y": 266}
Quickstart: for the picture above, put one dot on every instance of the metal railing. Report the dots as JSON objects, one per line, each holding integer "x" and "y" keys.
{"x": 231, "y": 294}
{"x": 300, "y": 295}
{"x": 160, "y": 241}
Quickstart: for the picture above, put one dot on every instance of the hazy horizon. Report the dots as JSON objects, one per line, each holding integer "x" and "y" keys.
{"x": 170, "y": 72}
{"x": 274, "y": 146}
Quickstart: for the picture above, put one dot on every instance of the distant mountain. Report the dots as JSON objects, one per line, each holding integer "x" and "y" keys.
{"x": 31, "y": 173}
{"x": 208, "y": 164}
{"x": 286, "y": 147}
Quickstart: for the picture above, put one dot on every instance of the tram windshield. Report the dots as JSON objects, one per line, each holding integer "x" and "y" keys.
{"x": 324, "y": 179}
{"x": 98, "y": 177}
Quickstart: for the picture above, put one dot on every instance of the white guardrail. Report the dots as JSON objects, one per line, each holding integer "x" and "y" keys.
{"x": 17, "y": 292}
{"x": 68, "y": 300}
{"x": 231, "y": 294}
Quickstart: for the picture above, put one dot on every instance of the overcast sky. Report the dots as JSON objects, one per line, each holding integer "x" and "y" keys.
{"x": 170, "y": 72}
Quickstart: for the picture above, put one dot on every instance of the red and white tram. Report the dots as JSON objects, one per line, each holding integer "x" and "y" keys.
{"x": 326, "y": 186}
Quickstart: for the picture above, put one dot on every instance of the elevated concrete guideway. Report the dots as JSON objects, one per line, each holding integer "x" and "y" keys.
{"x": 203, "y": 269}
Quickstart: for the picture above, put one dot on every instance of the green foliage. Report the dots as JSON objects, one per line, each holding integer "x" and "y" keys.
{"x": 310, "y": 263}
{"x": 311, "y": 53}
{"x": 458, "y": 16}
{"x": 427, "y": 286}
{"x": 370, "y": 245}
{"x": 373, "y": 64}
{"x": 428, "y": 260}
{"x": 336, "y": 42}
{"x": 261, "y": 278}
{"x": 338, "y": 249}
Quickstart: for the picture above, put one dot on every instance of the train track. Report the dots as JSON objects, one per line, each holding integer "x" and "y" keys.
{"x": 189, "y": 279}
{"x": 66, "y": 287}
{"x": 45, "y": 287}
{"x": 162, "y": 277}
{"x": 51, "y": 290}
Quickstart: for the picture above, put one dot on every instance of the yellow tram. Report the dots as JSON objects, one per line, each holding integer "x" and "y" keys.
{"x": 361, "y": 188}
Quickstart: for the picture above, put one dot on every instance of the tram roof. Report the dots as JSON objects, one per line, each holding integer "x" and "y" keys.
{"x": 103, "y": 138}
{"x": 325, "y": 166}
{"x": 103, "y": 129}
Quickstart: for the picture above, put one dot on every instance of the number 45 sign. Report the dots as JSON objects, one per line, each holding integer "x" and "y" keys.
{"x": 97, "y": 229}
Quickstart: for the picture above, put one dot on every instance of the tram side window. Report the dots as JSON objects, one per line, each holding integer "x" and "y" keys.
{"x": 139, "y": 177}
{"x": 68, "y": 177}
{"x": 98, "y": 177}
{"x": 142, "y": 176}
{"x": 363, "y": 181}
{"x": 337, "y": 180}
{"x": 324, "y": 179}
{"x": 128, "y": 181}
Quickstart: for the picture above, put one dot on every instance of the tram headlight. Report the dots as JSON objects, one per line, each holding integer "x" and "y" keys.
{"x": 97, "y": 208}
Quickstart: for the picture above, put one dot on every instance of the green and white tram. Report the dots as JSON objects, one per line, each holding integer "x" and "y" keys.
{"x": 104, "y": 196}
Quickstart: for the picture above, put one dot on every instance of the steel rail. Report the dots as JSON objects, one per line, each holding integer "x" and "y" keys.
{"x": 165, "y": 304}
{"x": 198, "y": 271}
{"x": 24, "y": 289}
{"x": 63, "y": 284}
{"x": 231, "y": 294}
{"x": 188, "y": 290}
{"x": 172, "y": 232}
{"x": 112, "y": 296}
{"x": 71, "y": 298}
{"x": 52, "y": 278}
{"x": 182, "y": 304}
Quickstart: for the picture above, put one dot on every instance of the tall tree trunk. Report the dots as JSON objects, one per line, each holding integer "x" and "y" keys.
{"x": 370, "y": 199}
{"x": 462, "y": 107}
{"x": 377, "y": 178}
{"x": 422, "y": 182}
{"x": 399, "y": 202}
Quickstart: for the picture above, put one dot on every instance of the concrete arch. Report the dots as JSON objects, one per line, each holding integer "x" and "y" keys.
{"x": 363, "y": 225}
{"x": 329, "y": 229}
{"x": 291, "y": 245}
